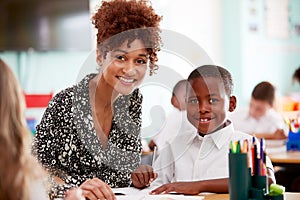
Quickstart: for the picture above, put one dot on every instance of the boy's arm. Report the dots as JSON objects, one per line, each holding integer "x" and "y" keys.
{"x": 194, "y": 187}
{"x": 277, "y": 135}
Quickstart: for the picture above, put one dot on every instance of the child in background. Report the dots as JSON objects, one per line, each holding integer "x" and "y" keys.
{"x": 197, "y": 161}
{"x": 176, "y": 120}
{"x": 22, "y": 178}
{"x": 260, "y": 119}
{"x": 296, "y": 75}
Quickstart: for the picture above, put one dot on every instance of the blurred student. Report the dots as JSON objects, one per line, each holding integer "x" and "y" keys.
{"x": 197, "y": 161}
{"x": 176, "y": 120}
{"x": 296, "y": 75}
{"x": 260, "y": 119}
{"x": 21, "y": 176}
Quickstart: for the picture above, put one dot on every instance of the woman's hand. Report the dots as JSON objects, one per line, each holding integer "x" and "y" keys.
{"x": 74, "y": 194}
{"x": 177, "y": 187}
{"x": 143, "y": 176}
{"x": 95, "y": 189}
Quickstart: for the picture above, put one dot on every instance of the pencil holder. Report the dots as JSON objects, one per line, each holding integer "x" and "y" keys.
{"x": 258, "y": 188}
{"x": 278, "y": 197}
{"x": 238, "y": 176}
{"x": 259, "y": 182}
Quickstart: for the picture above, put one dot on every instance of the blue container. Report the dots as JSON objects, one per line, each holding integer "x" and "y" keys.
{"x": 293, "y": 142}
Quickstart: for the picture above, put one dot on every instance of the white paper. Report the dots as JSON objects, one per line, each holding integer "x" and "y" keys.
{"x": 130, "y": 193}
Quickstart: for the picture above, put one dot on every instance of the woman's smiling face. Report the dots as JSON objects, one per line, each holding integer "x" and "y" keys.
{"x": 124, "y": 68}
{"x": 207, "y": 104}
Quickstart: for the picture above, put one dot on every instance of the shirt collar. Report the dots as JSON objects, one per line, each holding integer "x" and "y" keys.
{"x": 190, "y": 136}
{"x": 221, "y": 136}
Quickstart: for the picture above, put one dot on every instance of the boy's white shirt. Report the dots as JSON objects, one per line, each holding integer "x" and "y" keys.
{"x": 176, "y": 121}
{"x": 191, "y": 157}
{"x": 268, "y": 123}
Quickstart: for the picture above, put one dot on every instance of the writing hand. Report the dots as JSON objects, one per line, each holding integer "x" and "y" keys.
{"x": 279, "y": 134}
{"x": 95, "y": 189}
{"x": 151, "y": 145}
{"x": 178, "y": 187}
{"x": 143, "y": 176}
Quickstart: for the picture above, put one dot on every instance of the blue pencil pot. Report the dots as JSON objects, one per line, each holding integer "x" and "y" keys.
{"x": 293, "y": 142}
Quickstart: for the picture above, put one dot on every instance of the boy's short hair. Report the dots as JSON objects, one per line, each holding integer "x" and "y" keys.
{"x": 177, "y": 86}
{"x": 296, "y": 75}
{"x": 215, "y": 72}
{"x": 264, "y": 91}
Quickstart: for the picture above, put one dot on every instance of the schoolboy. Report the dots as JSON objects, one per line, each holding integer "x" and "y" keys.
{"x": 176, "y": 120}
{"x": 260, "y": 119}
{"x": 197, "y": 161}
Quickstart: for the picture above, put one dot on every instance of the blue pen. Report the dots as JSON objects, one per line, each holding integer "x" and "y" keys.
{"x": 262, "y": 148}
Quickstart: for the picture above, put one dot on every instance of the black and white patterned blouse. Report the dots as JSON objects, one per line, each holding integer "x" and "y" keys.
{"x": 67, "y": 145}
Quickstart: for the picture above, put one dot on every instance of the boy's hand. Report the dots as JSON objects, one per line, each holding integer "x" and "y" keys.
{"x": 143, "y": 176}
{"x": 279, "y": 134}
{"x": 178, "y": 187}
{"x": 151, "y": 145}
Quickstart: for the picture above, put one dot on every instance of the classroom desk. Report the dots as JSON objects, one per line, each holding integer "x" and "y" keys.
{"x": 288, "y": 196}
{"x": 134, "y": 193}
{"x": 287, "y": 158}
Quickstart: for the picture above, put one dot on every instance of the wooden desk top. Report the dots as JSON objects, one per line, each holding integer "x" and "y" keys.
{"x": 216, "y": 197}
{"x": 288, "y": 157}
{"x": 288, "y": 196}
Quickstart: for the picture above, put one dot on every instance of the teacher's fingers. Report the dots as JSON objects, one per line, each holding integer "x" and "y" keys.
{"x": 74, "y": 194}
{"x": 97, "y": 189}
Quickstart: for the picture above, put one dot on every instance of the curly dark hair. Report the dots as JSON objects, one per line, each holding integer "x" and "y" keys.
{"x": 118, "y": 21}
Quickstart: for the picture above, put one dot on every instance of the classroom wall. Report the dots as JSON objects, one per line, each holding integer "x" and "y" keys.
{"x": 45, "y": 72}
{"x": 261, "y": 43}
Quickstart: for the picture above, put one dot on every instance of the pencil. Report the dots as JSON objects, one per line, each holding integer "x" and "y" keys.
{"x": 256, "y": 160}
{"x": 238, "y": 147}
{"x": 262, "y": 148}
{"x": 154, "y": 155}
{"x": 253, "y": 156}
